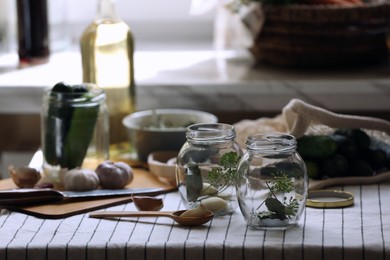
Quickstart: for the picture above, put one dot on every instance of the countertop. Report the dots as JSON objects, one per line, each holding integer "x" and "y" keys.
{"x": 222, "y": 81}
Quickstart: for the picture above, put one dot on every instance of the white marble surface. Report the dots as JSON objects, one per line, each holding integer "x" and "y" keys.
{"x": 223, "y": 81}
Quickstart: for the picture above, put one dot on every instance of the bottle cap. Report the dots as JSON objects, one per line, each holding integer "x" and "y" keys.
{"x": 329, "y": 199}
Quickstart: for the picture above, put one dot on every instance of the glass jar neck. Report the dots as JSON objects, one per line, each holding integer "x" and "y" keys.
{"x": 210, "y": 133}
{"x": 106, "y": 10}
{"x": 94, "y": 95}
{"x": 272, "y": 143}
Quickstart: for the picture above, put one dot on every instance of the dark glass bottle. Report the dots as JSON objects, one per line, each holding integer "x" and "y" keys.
{"x": 33, "y": 30}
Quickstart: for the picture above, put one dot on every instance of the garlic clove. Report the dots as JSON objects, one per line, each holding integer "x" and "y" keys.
{"x": 145, "y": 203}
{"x": 199, "y": 211}
{"x": 224, "y": 195}
{"x": 24, "y": 177}
{"x": 208, "y": 190}
{"x": 215, "y": 204}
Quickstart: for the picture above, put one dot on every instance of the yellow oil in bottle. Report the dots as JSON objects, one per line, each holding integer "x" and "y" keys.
{"x": 107, "y": 48}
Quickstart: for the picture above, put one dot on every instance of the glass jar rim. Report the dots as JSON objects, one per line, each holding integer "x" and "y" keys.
{"x": 94, "y": 94}
{"x": 210, "y": 132}
{"x": 272, "y": 143}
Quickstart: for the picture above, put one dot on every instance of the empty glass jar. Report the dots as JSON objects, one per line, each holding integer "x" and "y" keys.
{"x": 272, "y": 185}
{"x": 206, "y": 168}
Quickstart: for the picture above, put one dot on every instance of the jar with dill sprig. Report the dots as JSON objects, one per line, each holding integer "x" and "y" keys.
{"x": 272, "y": 182}
{"x": 206, "y": 168}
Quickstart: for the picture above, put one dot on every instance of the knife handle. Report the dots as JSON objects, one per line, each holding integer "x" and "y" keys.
{"x": 24, "y": 197}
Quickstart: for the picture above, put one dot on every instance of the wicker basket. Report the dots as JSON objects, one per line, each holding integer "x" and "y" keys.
{"x": 324, "y": 36}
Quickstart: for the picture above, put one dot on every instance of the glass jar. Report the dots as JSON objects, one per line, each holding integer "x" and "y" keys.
{"x": 272, "y": 182}
{"x": 206, "y": 168}
{"x": 74, "y": 131}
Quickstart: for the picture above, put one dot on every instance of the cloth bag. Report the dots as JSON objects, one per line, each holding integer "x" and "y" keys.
{"x": 299, "y": 118}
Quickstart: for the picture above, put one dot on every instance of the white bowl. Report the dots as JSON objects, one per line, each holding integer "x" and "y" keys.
{"x": 161, "y": 129}
{"x": 162, "y": 164}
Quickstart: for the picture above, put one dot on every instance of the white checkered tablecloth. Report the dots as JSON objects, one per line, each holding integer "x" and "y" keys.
{"x": 358, "y": 232}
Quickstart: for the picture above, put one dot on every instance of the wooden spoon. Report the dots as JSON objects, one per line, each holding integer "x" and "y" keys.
{"x": 175, "y": 215}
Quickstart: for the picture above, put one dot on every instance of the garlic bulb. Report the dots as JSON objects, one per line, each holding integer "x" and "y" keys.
{"x": 24, "y": 177}
{"x": 81, "y": 180}
{"x": 114, "y": 175}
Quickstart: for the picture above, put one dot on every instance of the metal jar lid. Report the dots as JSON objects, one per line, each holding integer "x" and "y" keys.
{"x": 329, "y": 199}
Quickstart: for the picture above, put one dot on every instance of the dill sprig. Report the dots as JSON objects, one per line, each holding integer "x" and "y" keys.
{"x": 224, "y": 176}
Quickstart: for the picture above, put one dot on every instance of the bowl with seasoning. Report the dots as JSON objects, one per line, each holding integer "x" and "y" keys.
{"x": 161, "y": 129}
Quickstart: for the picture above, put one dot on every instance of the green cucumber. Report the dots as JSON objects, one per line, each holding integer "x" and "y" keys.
{"x": 316, "y": 146}
{"x": 69, "y": 128}
{"x": 79, "y": 135}
{"x": 360, "y": 137}
{"x": 313, "y": 170}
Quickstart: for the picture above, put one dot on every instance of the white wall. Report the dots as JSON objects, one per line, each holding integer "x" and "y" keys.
{"x": 134, "y": 10}
{"x": 150, "y": 20}
{"x": 7, "y": 26}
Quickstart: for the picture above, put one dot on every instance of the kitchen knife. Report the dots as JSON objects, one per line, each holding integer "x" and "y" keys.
{"x": 16, "y": 197}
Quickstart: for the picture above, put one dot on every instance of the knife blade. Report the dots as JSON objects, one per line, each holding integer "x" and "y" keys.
{"x": 18, "y": 197}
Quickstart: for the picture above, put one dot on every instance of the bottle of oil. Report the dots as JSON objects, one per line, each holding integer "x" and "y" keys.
{"x": 107, "y": 48}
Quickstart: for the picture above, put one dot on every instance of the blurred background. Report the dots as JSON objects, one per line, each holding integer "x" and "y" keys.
{"x": 177, "y": 66}
{"x": 155, "y": 23}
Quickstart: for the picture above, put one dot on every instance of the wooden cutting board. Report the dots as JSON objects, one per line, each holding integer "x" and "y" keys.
{"x": 63, "y": 209}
